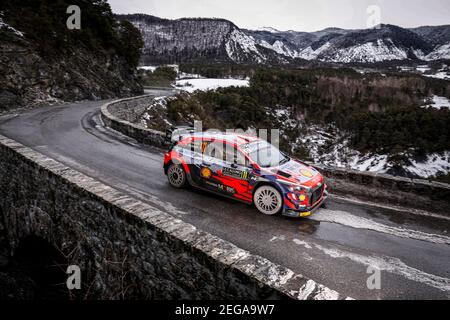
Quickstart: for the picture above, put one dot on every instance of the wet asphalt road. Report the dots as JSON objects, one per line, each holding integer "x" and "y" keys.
{"x": 334, "y": 247}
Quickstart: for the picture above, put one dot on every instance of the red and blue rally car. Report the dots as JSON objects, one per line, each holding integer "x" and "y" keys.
{"x": 247, "y": 169}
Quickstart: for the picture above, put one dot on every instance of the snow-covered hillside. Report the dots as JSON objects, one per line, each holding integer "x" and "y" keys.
{"x": 324, "y": 145}
{"x": 241, "y": 47}
{"x": 385, "y": 43}
{"x": 437, "y": 102}
{"x": 329, "y": 146}
{"x": 219, "y": 40}
{"x": 7, "y": 27}
{"x": 381, "y": 50}
{"x": 168, "y": 41}
{"x": 439, "y": 52}
{"x": 191, "y": 85}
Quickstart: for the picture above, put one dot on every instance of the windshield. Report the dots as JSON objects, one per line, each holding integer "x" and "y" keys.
{"x": 265, "y": 154}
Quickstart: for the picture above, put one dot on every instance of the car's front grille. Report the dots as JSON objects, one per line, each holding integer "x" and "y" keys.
{"x": 316, "y": 195}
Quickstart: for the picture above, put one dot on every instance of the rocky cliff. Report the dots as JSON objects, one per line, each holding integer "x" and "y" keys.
{"x": 41, "y": 61}
{"x": 198, "y": 39}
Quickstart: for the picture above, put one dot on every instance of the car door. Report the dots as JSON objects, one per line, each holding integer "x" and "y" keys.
{"x": 209, "y": 164}
{"x": 234, "y": 174}
{"x": 199, "y": 161}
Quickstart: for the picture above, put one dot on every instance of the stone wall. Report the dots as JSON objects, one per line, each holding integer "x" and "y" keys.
{"x": 127, "y": 249}
{"x": 120, "y": 114}
{"x": 382, "y": 188}
{"x": 387, "y": 189}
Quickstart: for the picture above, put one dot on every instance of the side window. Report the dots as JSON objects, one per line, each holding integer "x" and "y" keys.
{"x": 242, "y": 160}
{"x": 197, "y": 146}
{"x": 233, "y": 155}
{"x": 215, "y": 150}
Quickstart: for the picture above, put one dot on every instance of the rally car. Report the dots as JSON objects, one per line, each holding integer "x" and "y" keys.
{"x": 247, "y": 169}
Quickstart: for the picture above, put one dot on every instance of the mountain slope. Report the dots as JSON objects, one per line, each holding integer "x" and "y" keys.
{"x": 190, "y": 40}
{"x": 385, "y": 43}
{"x": 439, "y": 38}
{"x": 219, "y": 40}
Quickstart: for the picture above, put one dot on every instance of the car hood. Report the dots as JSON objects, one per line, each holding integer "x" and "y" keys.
{"x": 299, "y": 173}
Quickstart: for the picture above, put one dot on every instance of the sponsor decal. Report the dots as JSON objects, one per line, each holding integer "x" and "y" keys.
{"x": 234, "y": 173}
{"x": 205, "y": 173}
{"x": 231, "y": 190}
{"x": 306, "y": 173}
{"x": 221, "y": 187}
{"x": 305, "y": 214}
{"x": 212, "y": 184}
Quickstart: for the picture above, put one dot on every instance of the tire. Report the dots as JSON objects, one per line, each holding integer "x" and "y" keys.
{"x": 176, "y": 176}
{"x": 268, "y": 200}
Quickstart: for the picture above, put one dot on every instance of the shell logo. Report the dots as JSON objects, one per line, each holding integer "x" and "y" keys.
{"x": 206, "y": 173}
{"x": 306, "y": 173}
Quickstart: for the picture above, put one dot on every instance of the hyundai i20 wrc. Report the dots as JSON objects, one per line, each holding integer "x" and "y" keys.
{"x": 247, "y": 169}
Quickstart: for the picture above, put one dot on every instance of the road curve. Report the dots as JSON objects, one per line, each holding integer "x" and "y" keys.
{"x": 334, "y": 247}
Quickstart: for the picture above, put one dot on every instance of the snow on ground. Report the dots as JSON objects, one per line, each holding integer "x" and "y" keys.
{"x": 153, "y": 68}
{"x": 438, "y": 103}
{"x": 440, "y": 75}
{"x": 239, "y": 41}
{"x": 311, "y": 54}
{"x": 376, "y": 51}
{"x": 154, "y": 116}
{"x": 4, "y": 25}
{"x": 425, "y": 70}
{"x": 279, "y": 47}
{"x": 331, "y": 148}
{"x": 184, "y": 75}
{"x": 180, "y": 75}
{"x": 191, "y": 85}
{"x": 441, "y": 52}
{"x": 435, "y": 163}
{"x": 406, "y": 68}
{"x": 148, "y": 68}
{"x": 382, "y": 50}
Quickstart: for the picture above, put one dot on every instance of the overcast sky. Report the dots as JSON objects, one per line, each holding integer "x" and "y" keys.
{"x": 300, "y": 15}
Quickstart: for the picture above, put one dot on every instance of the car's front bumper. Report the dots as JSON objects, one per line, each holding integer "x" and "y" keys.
{"x": 308, "y": 212}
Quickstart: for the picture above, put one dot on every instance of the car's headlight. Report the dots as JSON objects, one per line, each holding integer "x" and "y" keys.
{"x": 298, "y": 189}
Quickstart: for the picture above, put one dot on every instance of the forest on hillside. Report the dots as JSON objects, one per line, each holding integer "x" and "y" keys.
{"x": 44, "y": 23}
{"x": 44, "y": 61}
{"x": 382, "y": 112}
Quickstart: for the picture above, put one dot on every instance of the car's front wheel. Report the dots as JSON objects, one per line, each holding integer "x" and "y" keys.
{"x": 176, "y": 176}
{"x": 268, "y": 200}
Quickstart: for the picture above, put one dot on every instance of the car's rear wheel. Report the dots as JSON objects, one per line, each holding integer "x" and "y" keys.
{"x": 268, "y": 200}
{"x": 176, "y": 176}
